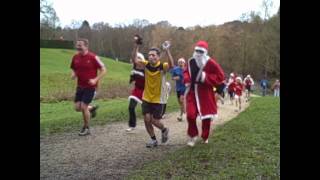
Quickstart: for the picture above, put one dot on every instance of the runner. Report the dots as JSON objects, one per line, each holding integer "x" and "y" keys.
{"x": 177, "y": 75}
{"x": 238, "y": 88}
{"x": 248, "y": 84}
{"x": 153, "y": 94}
{"x": 219, "y": 91}
{"x": 264, "y": 85}
{"x": 202, "y": 73}
{"x": 137, "y": 76}
{"x": 276, "y": 88}
{"x": 85, "y": 65}
{"x": 230, "y": 85}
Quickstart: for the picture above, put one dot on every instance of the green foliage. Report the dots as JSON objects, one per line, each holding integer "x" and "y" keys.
{"x": 62, "y": 44}
{"x": 248, "y": 147}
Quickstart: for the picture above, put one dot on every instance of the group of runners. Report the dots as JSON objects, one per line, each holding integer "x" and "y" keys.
{"x": 235, "y": 87}
{"x": 199, "y": 82}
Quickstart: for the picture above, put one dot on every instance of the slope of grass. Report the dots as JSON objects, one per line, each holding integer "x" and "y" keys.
{"x": 55, "y": 82}
{"x": 61, "y": 117}
{"x": 248, "y": 147}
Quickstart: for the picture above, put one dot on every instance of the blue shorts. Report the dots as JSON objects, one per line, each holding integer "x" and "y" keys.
{"x": 180, "y": 93}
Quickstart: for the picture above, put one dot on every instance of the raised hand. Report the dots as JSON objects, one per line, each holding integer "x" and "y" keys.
{"x": 138, "y": 39}
{"x": 166, "y": 45}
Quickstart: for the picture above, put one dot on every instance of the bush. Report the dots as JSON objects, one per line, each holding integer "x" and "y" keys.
{"x": 56, "y": 44}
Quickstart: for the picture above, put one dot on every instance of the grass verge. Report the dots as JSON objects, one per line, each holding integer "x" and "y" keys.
{"x": 248, "y": 147}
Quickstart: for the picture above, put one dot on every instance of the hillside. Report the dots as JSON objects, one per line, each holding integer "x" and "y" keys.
{"x": 55, "y": 81}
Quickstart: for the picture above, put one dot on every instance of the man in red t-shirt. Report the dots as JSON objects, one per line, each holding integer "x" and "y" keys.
{"x": 85, "y": 66}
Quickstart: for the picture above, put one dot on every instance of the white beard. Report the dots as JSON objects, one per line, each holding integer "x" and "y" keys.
{"x": 201, "y": 59}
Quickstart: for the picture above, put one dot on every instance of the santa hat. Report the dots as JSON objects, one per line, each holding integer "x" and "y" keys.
{"x": 139, "y": 55}
{"x": 248, "y": 76}
{"x": 181, "y": 60}
{"x": 202, "y": 45}
{"x": 239, "y": 78}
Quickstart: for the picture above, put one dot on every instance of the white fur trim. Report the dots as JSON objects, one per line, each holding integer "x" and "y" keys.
{"x": 135, "y": 98}
{"x": 139, "y": 55}
{"x": 137, "y": 72}
{"x": 203, "y": 77}
{"x": 211, "y": 116}
{"x": 201, "y": 49}
{"x": 181, "y": 60}
{"x": 197, "y": 100}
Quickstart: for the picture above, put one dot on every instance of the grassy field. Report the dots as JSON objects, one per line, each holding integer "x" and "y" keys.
{"x": 56, "y": 84}
{"x": 61, "y": 117}
{"x": 57, "y": 93}
{"x": 248, "y": 147}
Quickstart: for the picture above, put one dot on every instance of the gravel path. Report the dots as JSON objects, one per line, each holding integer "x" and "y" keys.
{"x": 110, "y": 152}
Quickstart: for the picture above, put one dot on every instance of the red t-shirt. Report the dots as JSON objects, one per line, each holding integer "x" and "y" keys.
{"x": 85, "y": 68}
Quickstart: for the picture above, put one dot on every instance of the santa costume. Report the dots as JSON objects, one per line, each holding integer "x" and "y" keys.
{"x": 137, "y": 75}
{"x": 201, "y": 74}
{"x": 248, "y": 82}
{"x": 238, "y": 88}
{"x": 231, "y": 84}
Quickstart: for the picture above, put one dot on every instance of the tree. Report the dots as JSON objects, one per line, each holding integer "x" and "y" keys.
{"x": 48, "y": 20}
{"x": 85, "y": 30}
{"x": 267, "y": 5}
{"x": 48, "y": 16}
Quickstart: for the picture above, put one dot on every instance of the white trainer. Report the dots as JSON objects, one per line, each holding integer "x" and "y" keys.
{"x": 192, "y": 141}
{"x": 130, "y": 129}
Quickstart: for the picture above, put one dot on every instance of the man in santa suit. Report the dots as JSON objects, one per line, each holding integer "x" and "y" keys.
{"x": 201, "y": 74}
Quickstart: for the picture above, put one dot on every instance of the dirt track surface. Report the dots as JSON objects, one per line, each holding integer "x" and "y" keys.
{"x": 110, "y": 152}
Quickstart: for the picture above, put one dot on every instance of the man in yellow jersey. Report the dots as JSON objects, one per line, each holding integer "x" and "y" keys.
{"x": 154, "y": 94}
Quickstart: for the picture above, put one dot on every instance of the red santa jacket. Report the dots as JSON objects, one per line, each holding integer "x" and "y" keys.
{"x": 232, "y": 85}
{"x": 238, "y": 89}
{"x": 201, "y": 82}
{"x": 138, "y": 77}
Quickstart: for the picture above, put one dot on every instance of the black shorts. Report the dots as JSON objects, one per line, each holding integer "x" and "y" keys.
{"x": 180, "y": 93}
{"x": 84, "y": 95}
{"x": 220, "y": 88}
{"x": 154, "y": 109}
{"x": 231, "y": 94}
{"x": 248, "y": 88}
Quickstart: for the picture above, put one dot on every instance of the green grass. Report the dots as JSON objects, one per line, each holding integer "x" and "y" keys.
{"x": 248, "y": 147}
{"x": 55, "y": 81}
{"x": 61, "y": 117}
{"x": 57, "y": 92}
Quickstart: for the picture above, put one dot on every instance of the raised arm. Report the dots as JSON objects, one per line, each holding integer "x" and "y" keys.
{"x": 166, "y": 45}
{"x": 134, "y": 53}
{"x": 137, "y": 43}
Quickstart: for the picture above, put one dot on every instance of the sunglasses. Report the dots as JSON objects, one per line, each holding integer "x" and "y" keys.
{"x": 200, "y": 51}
